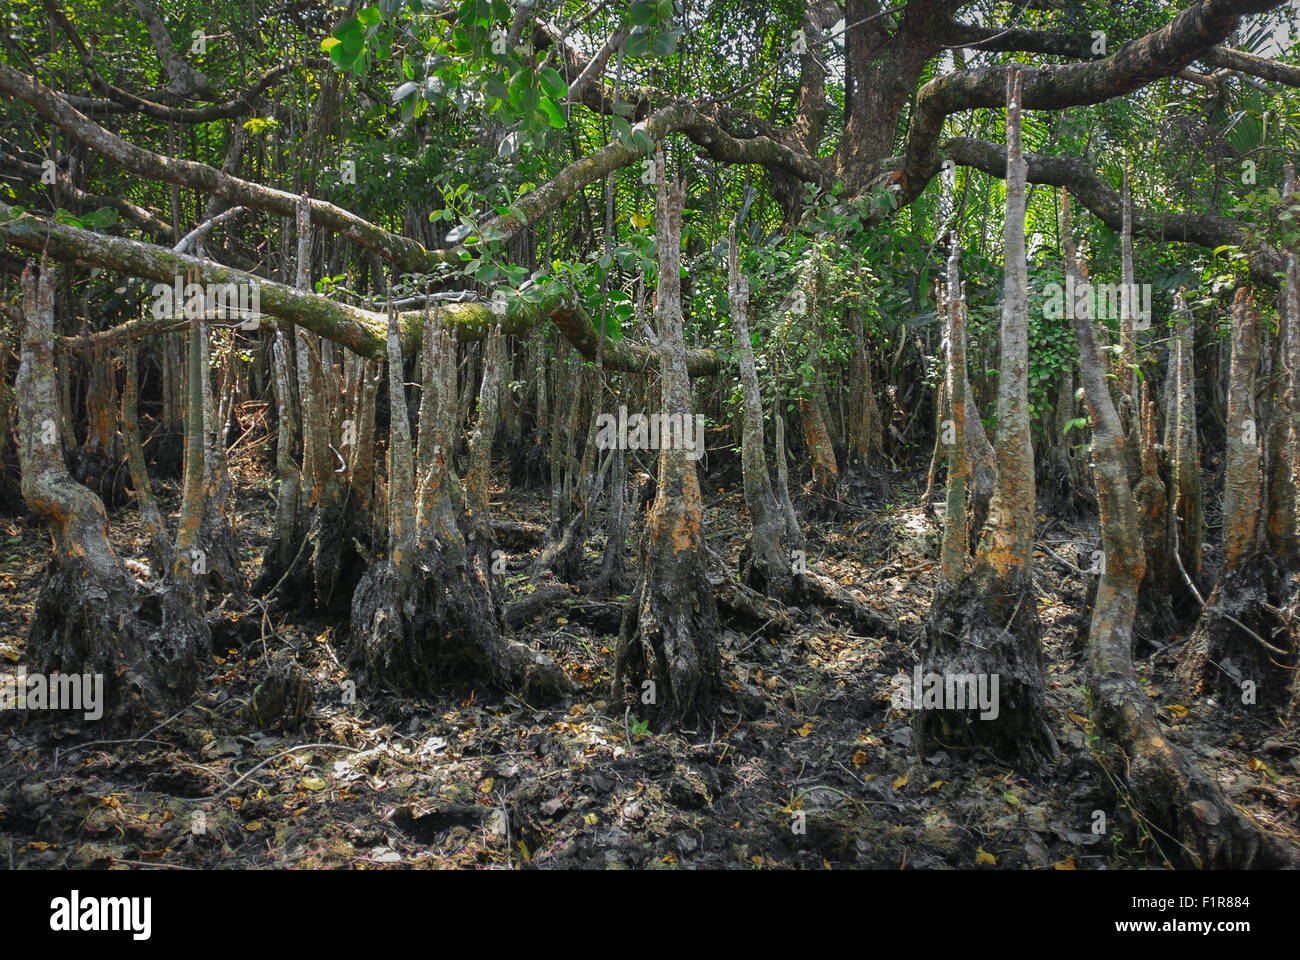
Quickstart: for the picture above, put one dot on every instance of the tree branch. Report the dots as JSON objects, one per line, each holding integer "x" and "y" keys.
{"x": 149, "y": 221}
{"x": 1161, "y": 53}
{"x": 407, "y": 254}
{"x": 362, "y": 331}
{"x": 185, "y": 80}
{"x": 1255, "y": 66}
{"x": 1206, "y": 230}
{"x": 1013, "y": 39}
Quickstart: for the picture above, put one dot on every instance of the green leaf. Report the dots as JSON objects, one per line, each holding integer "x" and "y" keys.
{"x": 553, "y": 115}
{"x": 520, "y": 84}
{"x": 370, "y": 16}
{"x": 495, "y": 88}
{"x": 554, "y": 84}
{"x": 666, "y": 42}
{"x": 623, "y": 131}
{"x": 637, "y": 43}
{"x": 350, "y": 33}
{"x": 101, "y": 218}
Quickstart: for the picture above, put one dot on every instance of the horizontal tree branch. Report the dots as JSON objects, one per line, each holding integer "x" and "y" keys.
{"x": 1206, "y": 230}
{"x": 362, "y": 331}
{"x": 682, "y": 116}
{"x": 1013, "y": 39}
{"x": 1260, "y": 67}
{"x": 120, "y": 100}
{"x": 1162, "y": 53}
{"x": 33, "y": 173}
{"x": 407, "y": 254}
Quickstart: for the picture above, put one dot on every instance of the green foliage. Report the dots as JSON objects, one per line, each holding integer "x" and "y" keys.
{"x": 100, "y": 219}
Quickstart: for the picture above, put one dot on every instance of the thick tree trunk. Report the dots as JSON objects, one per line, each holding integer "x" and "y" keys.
{"x": 485, "y": 429}
{"x": 612, "y": 575}
{"x": 793, "y": 532}
{"x": 566, "y": 537}
{"x": 159, "y": 542}
{"x": 367, "y": 375}
{"x": 668, "y": 645}
{"x": 766, "y": 562}
{"x": 323, "y": 562}
{"x": 1241, "y": 485}
{"x": 91, "y": 616}
{"x": 1284, "y": 473}
{"x": 1234, "y": 624}
{"x": 428, "y": 610}
{"x": 952, "y": 432}
{"x": 189, "y": 564}
{"x": 986, "y": 623}
{"x": 10, "y": 482}
{"x": 1162, "y": 582}
{"x": 1286, "y": 537}
{"x": 1247, "y": 628}
{"x": 864, "y": 433}
{"x": 1155, "y": 615}
{"x": 216, "y": 523}
{"x": 96, "y": 462}
{"x": 822, "y": 492}
{"x": 1181, "y": 442}
{"x": 1174, "y": 803}
{"x": 288, "y": 528}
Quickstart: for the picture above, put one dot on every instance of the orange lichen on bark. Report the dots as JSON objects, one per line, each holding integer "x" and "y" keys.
{"x": 817, "y": 437}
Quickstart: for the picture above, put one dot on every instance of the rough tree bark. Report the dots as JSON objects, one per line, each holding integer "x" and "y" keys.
{"x": 323, "y": 562}
{"x": 668, "y": 642}
{"x": 822, "y": 492}
{"x": 865, "y": 432}
{"x": 1231, "y": 633}
{"x": 91, "y": 615}
{"x": 1241, "y": 484}
{"x": 986, "y": 623}
{"x": 766, "y": 559}
{"x": 427, "y": 610}
{"x": 1181, "y": 442}
{"x": 189, "y": 563}
{"x": 1188, "y": 820}
{"x": 1284, "y": 472}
